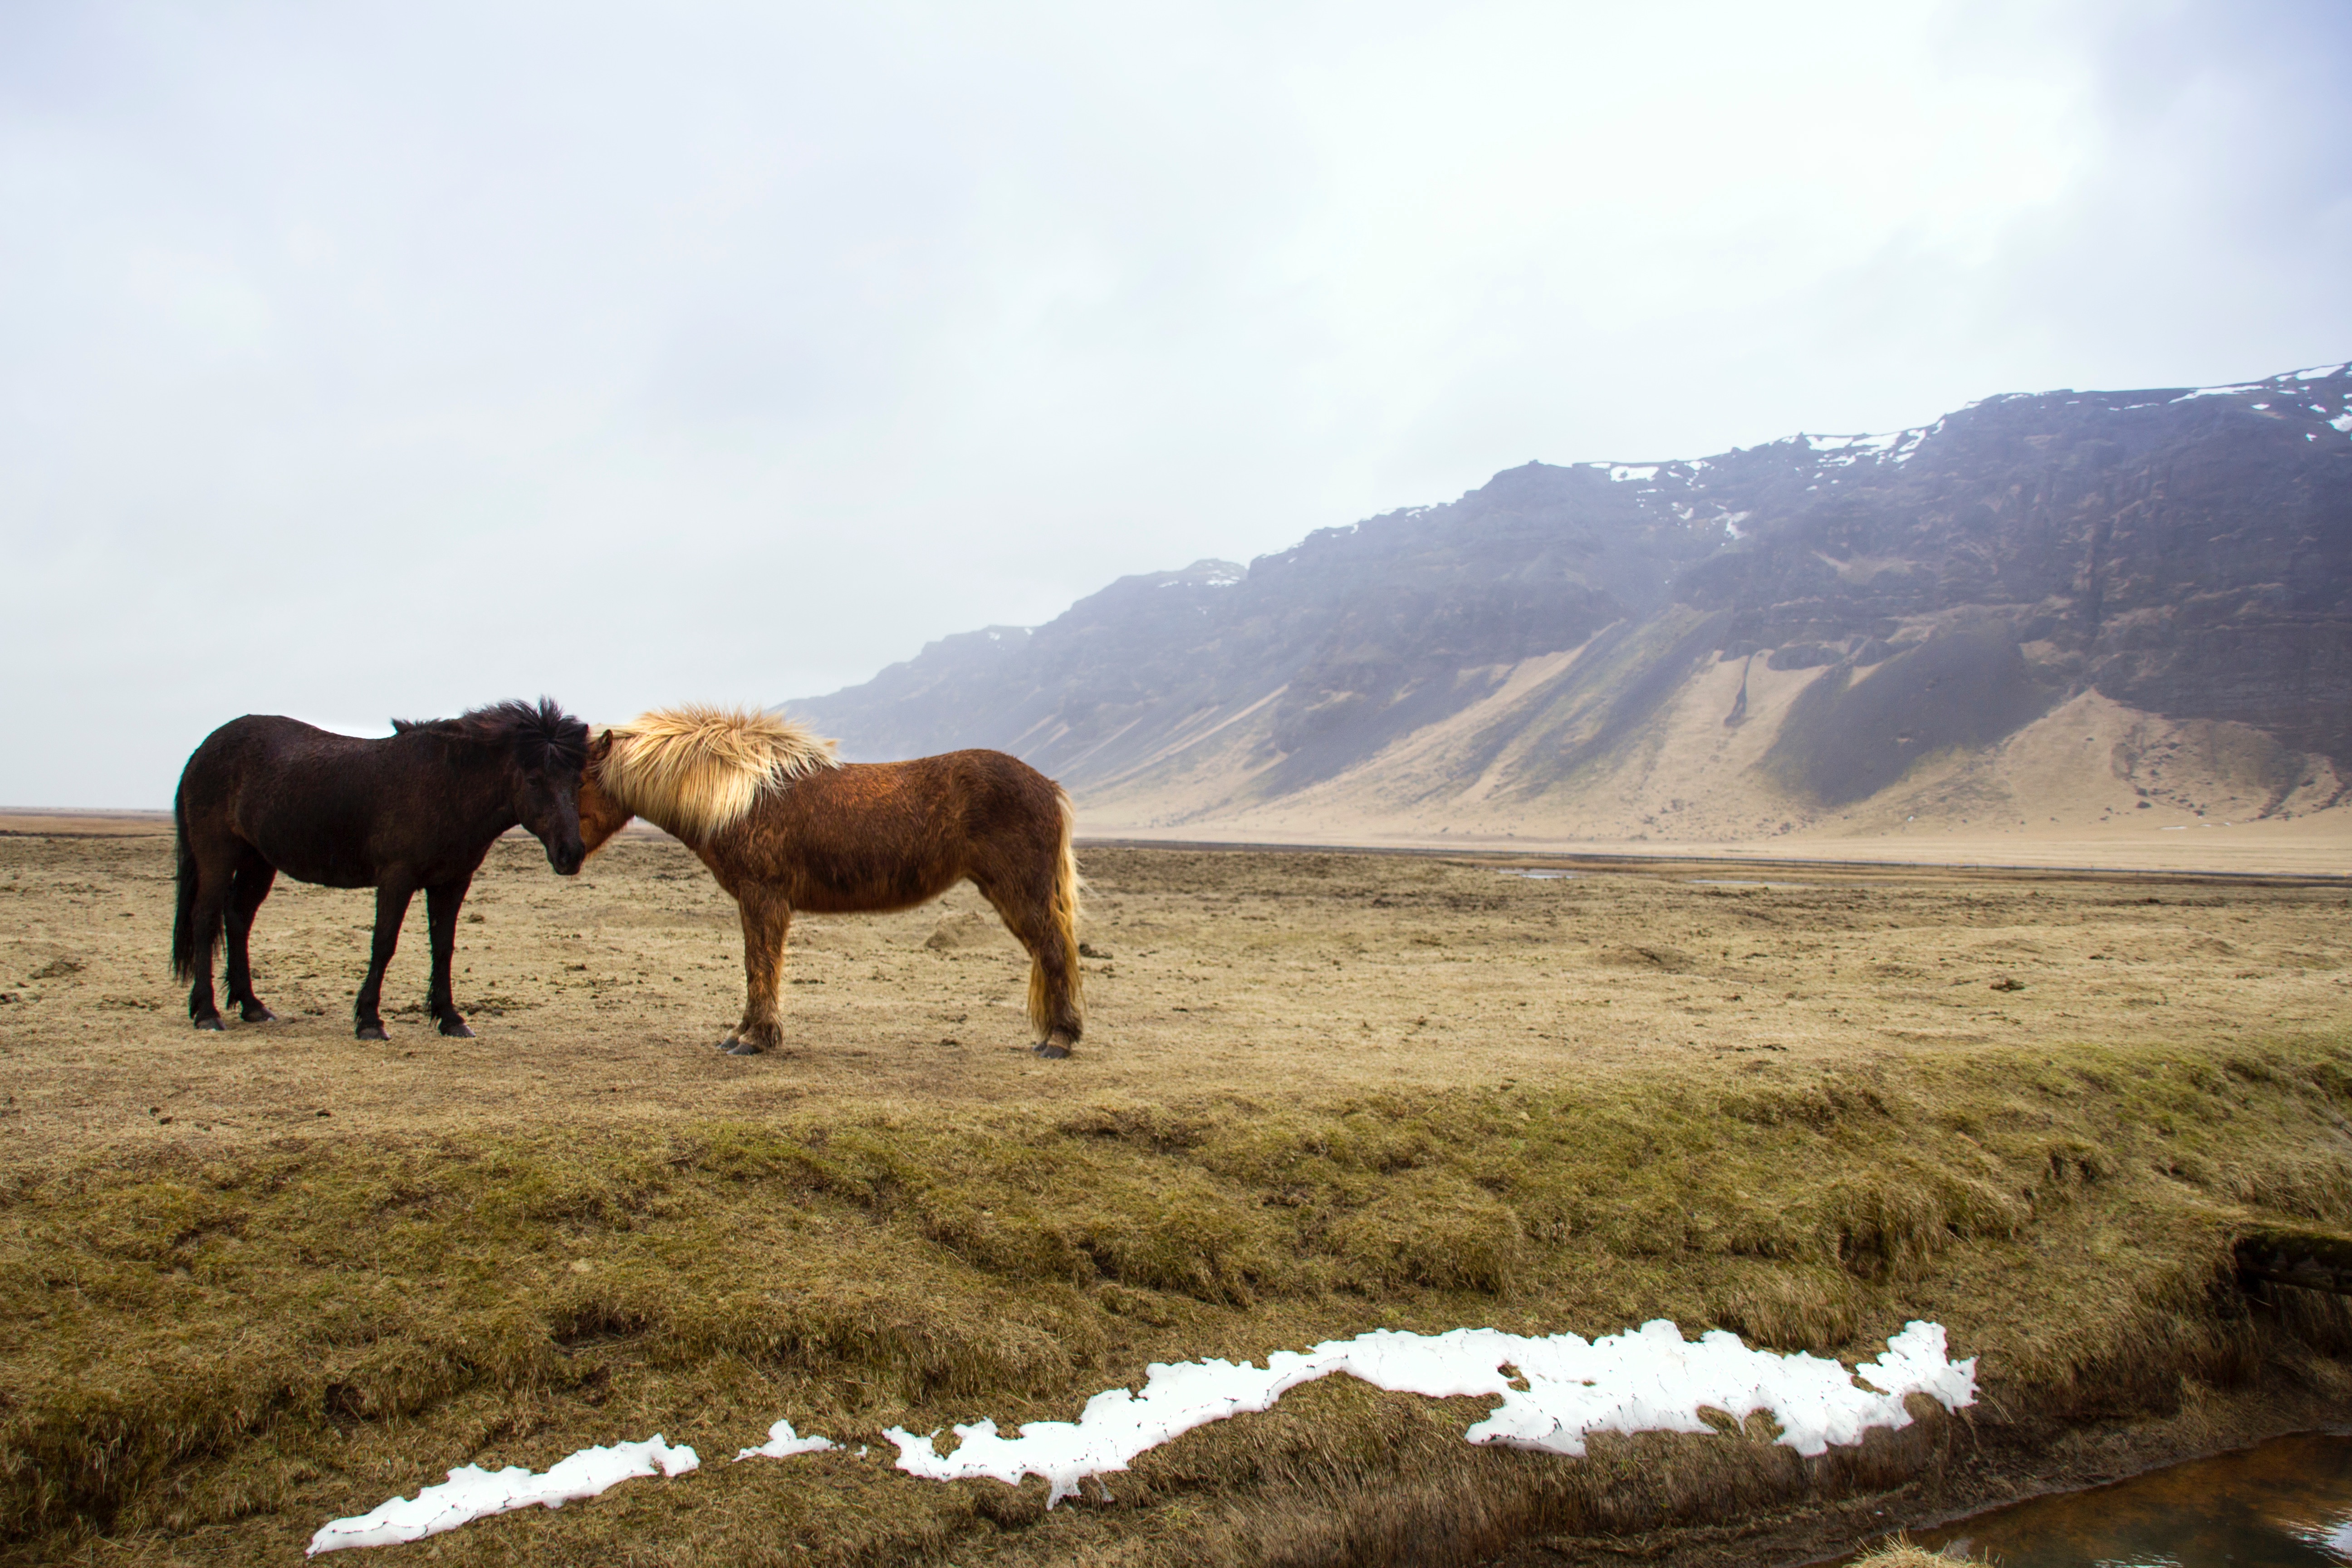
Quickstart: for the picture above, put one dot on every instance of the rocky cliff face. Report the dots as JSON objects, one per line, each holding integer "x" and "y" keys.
{"x": 1765, "y": 636}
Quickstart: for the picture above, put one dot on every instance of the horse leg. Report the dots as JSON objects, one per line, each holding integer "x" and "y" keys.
{"x": 392, "y": 898}
{"x": 254, "y": 879}
{"x": 1028, "y": 913}
{"x": 216, "y": 874}
{"x": 766, "y": 920}
{"x": 441, "y": 921}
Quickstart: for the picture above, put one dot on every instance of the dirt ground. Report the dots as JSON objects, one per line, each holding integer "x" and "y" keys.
{"x": 1411, "y": 1090}
{"x": 1312, "y": 974}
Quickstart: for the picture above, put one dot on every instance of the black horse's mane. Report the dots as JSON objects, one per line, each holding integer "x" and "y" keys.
{"x": 543, "y": 735}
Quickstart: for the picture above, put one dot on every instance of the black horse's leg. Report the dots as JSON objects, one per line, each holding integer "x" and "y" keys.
{"x": 392, "y": 898}
{"x": 441, "y": 919}
{"x": 254, "y": 877}
{"x": 213, "y": 881}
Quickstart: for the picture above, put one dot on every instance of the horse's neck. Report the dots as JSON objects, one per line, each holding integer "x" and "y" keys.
{"x": 660, "y": 818}
{"x": 674, "y": 829}
{"x": 485, "y": 794}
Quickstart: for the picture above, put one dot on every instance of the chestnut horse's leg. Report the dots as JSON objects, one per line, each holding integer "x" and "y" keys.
{"x": 441, "y": 925}
{"x": 251, "y": 885}
{"x": 391, "y": 895}
{"x": 767, "y": 917}
{"x": 1026, "y": 904}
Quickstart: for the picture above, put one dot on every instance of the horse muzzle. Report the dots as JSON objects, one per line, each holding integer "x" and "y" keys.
{"x": 566, "y": 858}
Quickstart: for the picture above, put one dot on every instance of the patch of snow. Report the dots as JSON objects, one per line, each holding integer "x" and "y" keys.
{"x": 1622, "y": 471}
{"x": 2343, "y": 422}
{"x": 472, "y": 1493}
{"x": 2321, "y": 372}
{"x": 1647, "y": 1380}
{"x": 783, "y": 1444}
{"x": 1839, "y": 451}
{"x": 2220, "y": 391}
{"x": 1732, "y": 521}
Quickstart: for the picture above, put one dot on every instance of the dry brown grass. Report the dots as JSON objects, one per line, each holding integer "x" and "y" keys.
{"x": 1901, "y": 1553}
{"x": 211, "y": 1341}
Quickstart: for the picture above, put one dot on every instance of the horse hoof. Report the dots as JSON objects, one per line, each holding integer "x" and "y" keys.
{"x": 211, "y": 1024}
{"x": 254, "y": 1013}
{"x": 742, "y": 1049}
{"x": 729, "y": 1044}
{"x": 373, "y": 1032}
{"x": 455, "y": 1030}
{"x": 1050, "y": 1051}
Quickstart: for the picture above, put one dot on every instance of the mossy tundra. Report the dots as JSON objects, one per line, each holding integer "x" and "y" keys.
{"x": 213, "y": 1342}
{"x": 205, "y": 1359}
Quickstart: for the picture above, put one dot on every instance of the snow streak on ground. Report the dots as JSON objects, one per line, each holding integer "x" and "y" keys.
{"x": 472, "y": 1492}
{"x": 1648, "y": 1380}
{"x": 1552, "y": 1392}
{"x": 784, "y": 1442}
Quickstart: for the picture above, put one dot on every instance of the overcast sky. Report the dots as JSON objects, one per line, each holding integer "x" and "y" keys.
{"x": 370, "y": 359}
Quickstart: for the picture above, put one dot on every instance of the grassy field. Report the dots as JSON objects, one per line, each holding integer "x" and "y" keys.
{"x": 250, "y": 1282}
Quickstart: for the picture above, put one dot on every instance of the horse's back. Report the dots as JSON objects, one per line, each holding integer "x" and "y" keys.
{"x": 244, "y": 755}
{"x": 273, "y": 736}
{"x": 968, "y": 790}
{"x": 1001, "y": 795}
{"x": 304, "y": 797}
{"x": 869, "y": 835}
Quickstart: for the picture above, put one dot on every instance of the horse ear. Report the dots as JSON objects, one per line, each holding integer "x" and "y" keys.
{"x": 600, "y": 748}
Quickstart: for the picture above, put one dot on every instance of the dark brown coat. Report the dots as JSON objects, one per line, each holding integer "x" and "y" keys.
{"x": 417, "y": 809}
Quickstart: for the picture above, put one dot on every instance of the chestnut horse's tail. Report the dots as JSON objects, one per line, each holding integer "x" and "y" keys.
{"x": 1067, "y": 888}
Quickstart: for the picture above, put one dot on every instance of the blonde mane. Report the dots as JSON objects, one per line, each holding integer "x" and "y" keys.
{"x": 694, "y": 770}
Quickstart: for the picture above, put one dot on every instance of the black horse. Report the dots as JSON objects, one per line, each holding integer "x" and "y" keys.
{"x": 418, "y": 809}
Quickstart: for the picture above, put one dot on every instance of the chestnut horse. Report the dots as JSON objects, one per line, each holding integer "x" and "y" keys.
{"x": 784, "y": 825}
{"x": 417, "y": 809}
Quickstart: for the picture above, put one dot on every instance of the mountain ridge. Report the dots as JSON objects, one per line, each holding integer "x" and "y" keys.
{"x": 1786, "y": 635}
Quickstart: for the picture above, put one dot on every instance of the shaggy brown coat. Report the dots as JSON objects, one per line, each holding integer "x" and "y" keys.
{"x": 784, "y": 825}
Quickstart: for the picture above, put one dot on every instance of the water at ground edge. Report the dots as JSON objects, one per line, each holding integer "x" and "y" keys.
{"x": 2285, "y": 1504}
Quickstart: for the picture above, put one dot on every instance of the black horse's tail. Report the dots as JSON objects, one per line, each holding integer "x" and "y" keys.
{"x": 185, "y": 960}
